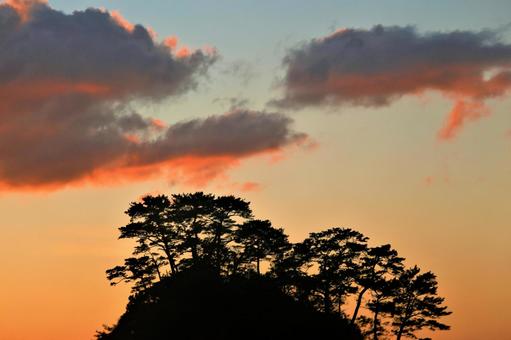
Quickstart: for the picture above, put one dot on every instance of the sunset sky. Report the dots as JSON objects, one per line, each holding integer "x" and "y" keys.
{"x": 389, "y": 117}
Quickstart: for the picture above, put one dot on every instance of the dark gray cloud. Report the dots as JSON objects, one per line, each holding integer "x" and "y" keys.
{"x": 91, "y": 48}
{"x": 377, "y": 66}
{"x": 235, "y": 134}
{"x": 67, "y": 82}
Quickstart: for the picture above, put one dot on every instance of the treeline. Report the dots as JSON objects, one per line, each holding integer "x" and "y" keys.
{"x": 325, "y": 270}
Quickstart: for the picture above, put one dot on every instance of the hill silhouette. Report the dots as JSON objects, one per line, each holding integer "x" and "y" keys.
{"x": 203, "y": 267}
{"x": 198, "y": 304}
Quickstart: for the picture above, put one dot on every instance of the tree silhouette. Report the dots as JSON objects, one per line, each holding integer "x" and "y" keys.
{"x": 334, "y": 254}
{"x": 191, "y": 212}
{"x": 183, "y": 230}
{"x": 415, "y": 304}
{"x": 380, "y": 305}
{"x": 291, "y": 271}
{"x": 260, "y": 240}
{"x": 375, "y": 266}
{"x": 227, "y": 215}
{"x": 198, "y": 236}
{"x": 154, "y": 233}
{"x": 141, "y": 271}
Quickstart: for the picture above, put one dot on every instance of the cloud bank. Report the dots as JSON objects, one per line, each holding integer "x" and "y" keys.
{"x": 66, "y": 85}
{"x": 375, "y": 67}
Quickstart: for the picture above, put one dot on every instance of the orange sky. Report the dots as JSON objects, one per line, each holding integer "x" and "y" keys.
{"x": 383, "y": 170}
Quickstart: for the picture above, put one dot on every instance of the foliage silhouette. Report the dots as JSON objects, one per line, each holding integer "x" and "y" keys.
{"x": 415, "y": 303}
{"x": 260, "y": 241}
{"x": 196, "y": 273}
{"x": 335, "y": 253}
{"x": 376, "y": 265}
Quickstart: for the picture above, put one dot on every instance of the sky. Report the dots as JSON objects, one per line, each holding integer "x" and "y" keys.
{"x": 388, "y": 117}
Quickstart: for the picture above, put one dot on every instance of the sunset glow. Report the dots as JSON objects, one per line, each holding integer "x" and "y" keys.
{"x": 392, "y": 118}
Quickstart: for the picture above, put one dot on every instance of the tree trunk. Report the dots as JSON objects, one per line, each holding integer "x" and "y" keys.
{"x": 376, "y": 322}
{"x": 195, "y": 255}
{"x": 327, "y": 303}
{"x": 406, "y": 318}
{"x": 173, "y": 267}
{"x": 400, "y": 333}
{"x": 357, "y": 307}
{"x": 195, "y": 242}
{"x": 258, "y": 266}
{"x": 218, "y": 243}
{"x": 155, "y": 264}
{"x": 172, "y": 263}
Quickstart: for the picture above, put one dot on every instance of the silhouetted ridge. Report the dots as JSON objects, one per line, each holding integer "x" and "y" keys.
{"x": 256, "y": 284}
{"x": 199, "y": 304}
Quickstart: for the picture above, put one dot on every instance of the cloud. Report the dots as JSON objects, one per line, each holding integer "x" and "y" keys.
{"x": 89, "y": 52}
{"x": 242, "y": 70}
{"x": 233, "y": 103}
{"x": 460, "y": 113}
{"x": 236, "y": 133}
{"x": 67, "y": 85}
{"x": 375, "y": 67}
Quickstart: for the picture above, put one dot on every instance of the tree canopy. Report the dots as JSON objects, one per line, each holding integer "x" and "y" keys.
{"x": 218, "y": 234}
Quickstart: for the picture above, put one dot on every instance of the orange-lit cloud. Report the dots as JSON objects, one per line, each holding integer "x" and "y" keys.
{"x": 91, "y": 47}
{"x": 43, "y": 89}
{"x": 183, "y": 52}
{"x": 190, "y": 170}
{"x": 459, "y": 115}
{"x": 158, "y": 124}
{"x": 67, "y": 84}
{"x": 171, "y": 42}
{"x": 378, "y": 66}
{"x": 239, "y": 187}
{"x": 193, "y": 152}
{"x": 250, "y": 186}
{"x": 121, "y": 21}
{"x": 23, "y": 7}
